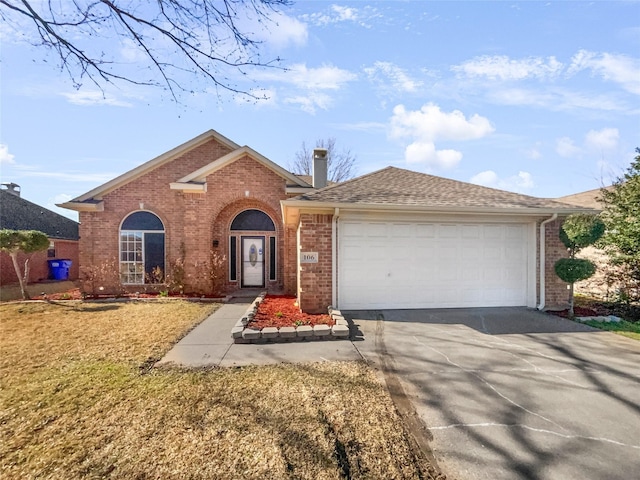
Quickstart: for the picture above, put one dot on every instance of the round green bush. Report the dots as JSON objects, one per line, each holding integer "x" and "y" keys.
{"x": 574, "y": 269}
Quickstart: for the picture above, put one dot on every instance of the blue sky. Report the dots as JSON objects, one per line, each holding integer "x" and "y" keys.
{"x": 542, "y": 98}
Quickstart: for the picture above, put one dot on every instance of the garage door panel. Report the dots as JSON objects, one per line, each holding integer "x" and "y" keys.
{"x": 425, "y": 230}
{"x": 431, "y": 265}
{"x": 448, "y": 231}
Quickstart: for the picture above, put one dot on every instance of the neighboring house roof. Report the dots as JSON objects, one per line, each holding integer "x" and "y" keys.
{"x": 397, "y": 188}
{"x": 16, "y": 213}
{"x": 588, "y": 199}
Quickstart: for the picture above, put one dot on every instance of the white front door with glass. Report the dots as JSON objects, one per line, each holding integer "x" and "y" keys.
{"x": 253, "y": 261}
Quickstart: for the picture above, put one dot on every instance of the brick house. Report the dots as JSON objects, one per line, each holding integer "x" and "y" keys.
{"x": 213, "y": 216}
{"x": 17, "y": 213}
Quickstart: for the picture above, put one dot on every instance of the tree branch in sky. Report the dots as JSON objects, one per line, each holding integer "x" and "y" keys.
{"x": 174, "y": 42}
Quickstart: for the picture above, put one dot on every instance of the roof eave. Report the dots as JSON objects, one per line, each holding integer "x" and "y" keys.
{"x": 82, "y": 206}
{"x": 529, "y": 211}
{"x": 189, "y": 187}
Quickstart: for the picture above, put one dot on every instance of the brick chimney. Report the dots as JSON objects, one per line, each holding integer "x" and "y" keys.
{"x": 320, "y": 159}
{"x": 13, "y": 188}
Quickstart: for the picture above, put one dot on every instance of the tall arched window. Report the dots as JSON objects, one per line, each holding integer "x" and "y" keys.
{"x": 141, "y": 249}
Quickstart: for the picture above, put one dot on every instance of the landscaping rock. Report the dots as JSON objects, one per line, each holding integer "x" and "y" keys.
{"x": 607, "y": 319}
{"x": 236, "y": 332}
{"x": 270, "y": 332}
{"x": 251, "y": 334}
{"x": 304, "y": 331}
{"x": 340, "y": 331}
{"x": 321, "y": 330}
{"x": 287, "y": 332}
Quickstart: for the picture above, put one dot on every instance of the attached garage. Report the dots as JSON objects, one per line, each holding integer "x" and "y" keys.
{"x": 434, "y": 264}
{"x": 397, "y": 239}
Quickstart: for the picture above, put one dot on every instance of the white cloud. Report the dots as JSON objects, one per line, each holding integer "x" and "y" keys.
{"x": 132, "y": 52}
{"x": 620, "y": 69}
{"x": 533, "y": 153}
{"x": 339, "y": 14}
{"x": 501, "y": 67}
{"x": 284, "y": 31}
{"x": 425, "y": 152}
{"x": 325, "y": 77}
{"x": 521, "y": 182}
{"x": 431, "y": 124}
{"x": 94, "y": 97}
{"x": 35, "y": 171}
{"x": 6, "y": 158}
{"x": 400, "y": 81}
{"x": 566, "y": 148}
{"x": 311, "y": 102}
{"x": 605, "y": 139}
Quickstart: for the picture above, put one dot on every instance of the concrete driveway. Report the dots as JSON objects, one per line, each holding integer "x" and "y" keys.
{"x": 511, "y": 393}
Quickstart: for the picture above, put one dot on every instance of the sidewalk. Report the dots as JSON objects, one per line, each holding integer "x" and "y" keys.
{"x": 210, "y": 344}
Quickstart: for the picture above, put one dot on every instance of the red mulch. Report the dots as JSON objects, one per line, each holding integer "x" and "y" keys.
{"x": 578, "y": 312}
{"x": 282, "y": 311}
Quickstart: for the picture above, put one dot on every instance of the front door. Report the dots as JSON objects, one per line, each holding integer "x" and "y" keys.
{"x": 253, "y": 261}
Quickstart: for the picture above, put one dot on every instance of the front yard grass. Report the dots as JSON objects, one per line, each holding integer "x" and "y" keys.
{"x": 627, "y": 329}
{"x": 77, "y": 400}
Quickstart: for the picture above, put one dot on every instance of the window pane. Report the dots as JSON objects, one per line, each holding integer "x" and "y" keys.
{"x": 142, "y": 221}
{"x": 272, "y": 258}
{"x": 233, "y": 276}
{"x": 253, "y": 220}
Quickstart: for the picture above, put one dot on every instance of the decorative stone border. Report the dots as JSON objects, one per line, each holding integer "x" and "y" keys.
{"x": 303, "y": 333}
{"x": 607, "y": 319}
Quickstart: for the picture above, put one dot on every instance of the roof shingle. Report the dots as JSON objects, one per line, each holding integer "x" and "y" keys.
{"x": 397, "y": 186}
{"x": 16, "y": 213}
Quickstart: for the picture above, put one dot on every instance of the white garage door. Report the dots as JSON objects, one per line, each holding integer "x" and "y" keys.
{"x": 431, "y": 265}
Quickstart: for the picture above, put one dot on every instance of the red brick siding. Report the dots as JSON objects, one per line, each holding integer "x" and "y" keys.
{"x": 315, "y": 278}
{"x": 39, "y": 267}
{"x": 192, "y": 220}
{"x": 556, "y": 293}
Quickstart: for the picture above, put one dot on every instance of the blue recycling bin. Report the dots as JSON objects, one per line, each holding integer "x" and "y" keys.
{"x": 59, "y": 269}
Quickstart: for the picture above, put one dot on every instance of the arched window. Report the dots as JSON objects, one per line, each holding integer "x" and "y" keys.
{"x": 253, "y": 220}
{"x": 141, "y": 249}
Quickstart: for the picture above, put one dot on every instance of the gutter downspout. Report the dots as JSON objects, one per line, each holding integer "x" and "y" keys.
{"x": 542, "y": 259}
{"x": 334, "y": 258}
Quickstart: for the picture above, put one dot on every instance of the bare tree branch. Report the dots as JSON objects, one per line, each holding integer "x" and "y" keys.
{"x": 340, "y": 164}
{"x": 182, "y": 40}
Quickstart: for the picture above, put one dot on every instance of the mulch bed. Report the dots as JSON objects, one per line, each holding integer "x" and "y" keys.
{"x": 283, "y": 311}
{"x": 578, "y": 312}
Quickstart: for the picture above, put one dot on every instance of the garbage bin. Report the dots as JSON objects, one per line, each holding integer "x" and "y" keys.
{"x": 59, "y": 269}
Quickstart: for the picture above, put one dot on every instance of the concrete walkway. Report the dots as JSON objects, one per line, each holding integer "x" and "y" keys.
{"x": 210, "y": 344}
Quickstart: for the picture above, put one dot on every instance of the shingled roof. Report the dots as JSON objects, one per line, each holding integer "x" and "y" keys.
{"x": 589, "y": 199}
{"x": 16, "y": 213}
{"x": 394, "y": 186}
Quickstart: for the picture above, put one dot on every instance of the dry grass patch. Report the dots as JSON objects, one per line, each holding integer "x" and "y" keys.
{"x": 74, "y": 403}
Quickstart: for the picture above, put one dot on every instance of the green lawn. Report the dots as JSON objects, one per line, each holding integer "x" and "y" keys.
{"x": 628, "y": 329}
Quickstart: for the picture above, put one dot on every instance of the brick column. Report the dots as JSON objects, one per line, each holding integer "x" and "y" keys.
{"x": 315, "y": 278}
